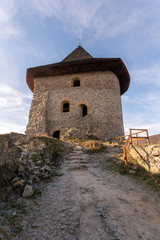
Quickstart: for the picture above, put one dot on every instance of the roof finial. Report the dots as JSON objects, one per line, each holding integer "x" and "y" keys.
{"x": 79, "y": 42}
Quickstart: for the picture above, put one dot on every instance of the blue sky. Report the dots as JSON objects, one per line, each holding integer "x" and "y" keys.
{"x": 40, "y": 32}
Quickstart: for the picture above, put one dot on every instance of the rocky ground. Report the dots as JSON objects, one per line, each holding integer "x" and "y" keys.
{"x": 87, "y": 199}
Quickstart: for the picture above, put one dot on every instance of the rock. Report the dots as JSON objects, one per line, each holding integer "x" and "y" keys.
{"x": 135, "y": 167}
{"x": 156, "y": 152}
{"x": 3, "y": 154}
{"x": 46, "y": 168}
{"x": 30, "y": 163}
{"x": 37, "y": 180}
{"x": 28, "y": 191}
{"x": 16, "y": 184}
{"x": 15, "y": 180}
{"x": 46, "y": 176}
{"x": 47, "y": 161}
{"x": 34, "y": 155}
{"x": 59, "y": 173}
{"x": 38, "y": 174}
{"x": 151, "y": 155}
{"x": 37, "y": 190}
{"x": 25, "y": 155}
{"x": 132, "y": 171}
{"x": 39, "y": 163}
{"x": 21, "y": 169}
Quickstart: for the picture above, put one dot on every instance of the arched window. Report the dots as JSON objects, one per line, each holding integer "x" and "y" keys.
{"x": 84, "y": 110}
{"x": 66, "y": 107}
{"x": 76, "y": 83}
{"x": 56, "y": 134}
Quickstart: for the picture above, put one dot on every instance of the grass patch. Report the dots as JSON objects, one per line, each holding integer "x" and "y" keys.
{"x": 136, "y": 171}
{"x": 11, "y": 220}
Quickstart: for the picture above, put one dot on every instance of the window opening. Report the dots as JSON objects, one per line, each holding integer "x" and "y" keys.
{"x": 84, "y": 110}
{"x": 56, "y": 134}
{"x": 66, "y": 107}
{"x": 76, "y": 83}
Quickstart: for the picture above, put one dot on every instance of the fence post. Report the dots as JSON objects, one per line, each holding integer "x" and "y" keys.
{"x": 147, "y": 137}
{"x": 130, "y": 131}
{"x": 137, "y": 139}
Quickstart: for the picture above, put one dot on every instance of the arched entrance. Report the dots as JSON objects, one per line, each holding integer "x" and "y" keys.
{"x": 83, "y": 110}
{"x": 56, "y": 134}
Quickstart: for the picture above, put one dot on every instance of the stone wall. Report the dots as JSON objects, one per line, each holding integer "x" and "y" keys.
{"x": 99, "y": 91}
{"x": 147, "y": 157}
{"x": 28, "y": 159}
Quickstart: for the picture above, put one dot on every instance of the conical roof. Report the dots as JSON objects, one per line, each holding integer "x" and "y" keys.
{"x": 78, "y": 54}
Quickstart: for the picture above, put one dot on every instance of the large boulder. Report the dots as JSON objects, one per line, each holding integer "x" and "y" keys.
{"x": 28, "y": 191}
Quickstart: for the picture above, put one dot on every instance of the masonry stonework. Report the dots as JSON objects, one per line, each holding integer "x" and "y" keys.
{"x": 99, "y": 91}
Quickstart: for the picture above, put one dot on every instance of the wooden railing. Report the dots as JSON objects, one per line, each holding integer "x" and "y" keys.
{"x": 127, "y": 141}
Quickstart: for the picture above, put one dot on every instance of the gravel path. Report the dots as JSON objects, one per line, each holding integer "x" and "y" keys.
{"x": 88, "y": 202}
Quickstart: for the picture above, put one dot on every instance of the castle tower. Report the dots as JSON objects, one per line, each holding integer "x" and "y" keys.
{"x": 80, "y": 92}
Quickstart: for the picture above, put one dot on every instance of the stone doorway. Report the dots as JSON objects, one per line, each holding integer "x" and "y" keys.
{"x": 56, "y": 134}
{"x": 84, "y": 110}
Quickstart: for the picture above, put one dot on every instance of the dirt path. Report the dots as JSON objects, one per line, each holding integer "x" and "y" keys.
{"x": 90, "y": 203}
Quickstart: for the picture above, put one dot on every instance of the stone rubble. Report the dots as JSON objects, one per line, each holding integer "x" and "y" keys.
{"x": 148, "y": 157}
{"x": 84, "y": 199}
{"x": 91, "y": 203}
{"x": 32, "y": 159}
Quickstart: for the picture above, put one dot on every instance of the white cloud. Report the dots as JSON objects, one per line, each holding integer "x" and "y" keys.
{"x": 143, "y": 99}
{"x": 142, "y": 112}
{"x": 79, "y": 15}
{"x": 9, "y": 28}
{"x": 8, "y": 126}
{"x": 104, "y": 18}
{"x": 14, "y": 107}
{"x": 147, "y": 75}
{"x": 9, "y": 97}
{"x": 7, "y": 11}
{"x": 153, "y": 128}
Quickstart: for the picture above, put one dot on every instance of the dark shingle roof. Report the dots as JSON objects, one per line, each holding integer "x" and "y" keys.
{"x": 80, "y": 61}
{"x": 78, "y": 54}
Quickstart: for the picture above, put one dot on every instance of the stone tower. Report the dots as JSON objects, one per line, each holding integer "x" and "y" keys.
{"x": 79, "y": 92}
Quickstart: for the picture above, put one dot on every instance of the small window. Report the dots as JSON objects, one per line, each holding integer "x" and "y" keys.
{"x": 66, "y": 107}
{"x": 76, "y": 83}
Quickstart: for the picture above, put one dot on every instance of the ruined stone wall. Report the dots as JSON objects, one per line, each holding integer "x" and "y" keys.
{"x": 38, "y": 114}
{"x": 148, "y": 157}
{"x": 99, "y": 91}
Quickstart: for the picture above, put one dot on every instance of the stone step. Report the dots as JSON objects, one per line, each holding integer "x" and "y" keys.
{"x": 78, "y": 147}
{"x": 77, "y": 158}
{"x": 77, "y": 162}
{"x": 77, "y": 167}
{"x": 79, "y": 155}
{"x": 76, "y": 154}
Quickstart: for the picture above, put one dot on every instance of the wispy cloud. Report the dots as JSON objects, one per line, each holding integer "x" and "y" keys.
{"x": 79, "y": 15}
{"x": 9, "y": 28}
{"x": 147, "y": 75}
{"x": 14, "y": 107}
{"x": 143, "y": 99}
{"x": 153, "y": 128}
{"x": 103, "y": 17}
{"x": 142, "y": 111}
